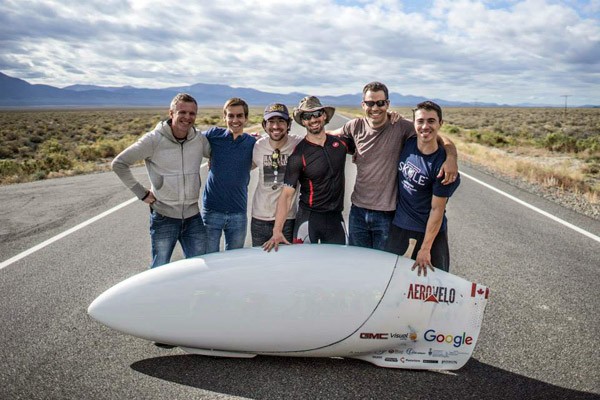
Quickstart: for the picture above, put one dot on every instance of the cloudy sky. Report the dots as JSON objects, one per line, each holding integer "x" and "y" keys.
{"x": 492, "y": 51}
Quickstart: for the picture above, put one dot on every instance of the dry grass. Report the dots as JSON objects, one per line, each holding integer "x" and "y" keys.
{"x": 542, "y": 145}
{"x": 40, "y": 144}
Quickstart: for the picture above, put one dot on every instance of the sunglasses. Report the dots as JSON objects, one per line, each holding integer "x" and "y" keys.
{"x": 275, "y": 159}
{"x": 380, "y": 103}
{"x": 308, "y": 115}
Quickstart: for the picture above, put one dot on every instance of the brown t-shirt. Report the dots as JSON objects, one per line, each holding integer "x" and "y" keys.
{"x": 377, "y": 156}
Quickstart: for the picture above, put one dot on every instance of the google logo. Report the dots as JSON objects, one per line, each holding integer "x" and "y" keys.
{"x": 456, "y": 341}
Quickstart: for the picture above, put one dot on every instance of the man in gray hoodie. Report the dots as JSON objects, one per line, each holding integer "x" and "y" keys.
{"x": 173, "y": 154}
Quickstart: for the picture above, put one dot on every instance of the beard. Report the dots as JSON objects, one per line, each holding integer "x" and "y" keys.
{"x": 316, "y": 130}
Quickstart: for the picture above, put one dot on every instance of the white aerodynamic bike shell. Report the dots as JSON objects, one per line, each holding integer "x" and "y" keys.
{"x": 304, "y": 300}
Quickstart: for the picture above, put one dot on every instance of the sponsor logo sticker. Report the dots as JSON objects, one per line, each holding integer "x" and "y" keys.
{"x": 456, "y": 340}
{"x": 378, "y": 336}
{"x": 413, "y": 351}
{"x": 431, "y": 294}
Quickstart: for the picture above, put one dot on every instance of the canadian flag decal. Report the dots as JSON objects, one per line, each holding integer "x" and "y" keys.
{"x": 477, "y": 291}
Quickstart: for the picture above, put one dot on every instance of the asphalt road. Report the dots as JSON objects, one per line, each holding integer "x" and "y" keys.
{"x": 539, "y": 338}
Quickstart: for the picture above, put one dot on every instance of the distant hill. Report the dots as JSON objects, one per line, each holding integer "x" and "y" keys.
{"x": 16, "y": 92}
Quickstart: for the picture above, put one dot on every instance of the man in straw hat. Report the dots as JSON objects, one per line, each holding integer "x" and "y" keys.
{"x": 318, "y": 164}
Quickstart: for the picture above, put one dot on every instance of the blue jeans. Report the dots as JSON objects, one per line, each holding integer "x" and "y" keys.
{"x": 369, "y": 228}
{"x": 165, "y": 232}
{"x": 233, "y": 224}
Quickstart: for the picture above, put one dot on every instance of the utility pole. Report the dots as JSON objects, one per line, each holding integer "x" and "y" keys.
{"x": 565, "y": 96}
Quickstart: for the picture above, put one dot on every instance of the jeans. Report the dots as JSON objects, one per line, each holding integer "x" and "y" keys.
{"x": 262, "y": 231}
{"x": 369, "y": 228}
{"x": 233, "y": 224}
{"x": 165, "y": 232}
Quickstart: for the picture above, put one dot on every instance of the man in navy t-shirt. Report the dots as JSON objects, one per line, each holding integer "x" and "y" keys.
{"x": 422, "y": 198}
{"x": 225, "y": 198}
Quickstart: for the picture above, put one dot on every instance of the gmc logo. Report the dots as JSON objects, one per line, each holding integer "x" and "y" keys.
{"x": 365, "y": 335}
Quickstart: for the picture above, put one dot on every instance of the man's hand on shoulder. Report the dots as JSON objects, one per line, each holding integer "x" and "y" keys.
{"x": 394, "y": 117}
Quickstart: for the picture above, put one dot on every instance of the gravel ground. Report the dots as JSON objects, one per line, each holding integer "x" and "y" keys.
{"x": 573, "y": 201}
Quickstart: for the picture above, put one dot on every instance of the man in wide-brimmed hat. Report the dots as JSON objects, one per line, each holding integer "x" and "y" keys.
{"x": 317, "y": 163}
{"x": 310, "y": 104}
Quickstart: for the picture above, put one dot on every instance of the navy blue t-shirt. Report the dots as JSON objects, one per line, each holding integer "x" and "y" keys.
{"x": 417, "y": 184}
{"x": 226, "y": 188}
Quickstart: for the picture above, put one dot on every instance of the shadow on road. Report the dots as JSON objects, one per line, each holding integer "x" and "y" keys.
{"x": 326, "y": 378}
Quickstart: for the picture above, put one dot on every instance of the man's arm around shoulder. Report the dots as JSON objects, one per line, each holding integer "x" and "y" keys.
{"x": 449, "y": 169}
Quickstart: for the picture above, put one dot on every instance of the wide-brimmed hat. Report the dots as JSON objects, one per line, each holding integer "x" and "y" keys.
{"x": 276, "y": 110}
{"x": 311, "y": 103}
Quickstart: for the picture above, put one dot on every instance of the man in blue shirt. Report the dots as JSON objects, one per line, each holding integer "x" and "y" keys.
{"x": 422, "y": 198}
{"x": 225, "y": 196}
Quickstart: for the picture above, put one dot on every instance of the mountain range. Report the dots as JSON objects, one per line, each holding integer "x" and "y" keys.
{"x": 15, "y": 92}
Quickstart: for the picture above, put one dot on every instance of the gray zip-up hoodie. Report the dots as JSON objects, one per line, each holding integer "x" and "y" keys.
{"x": 173, "y": 168}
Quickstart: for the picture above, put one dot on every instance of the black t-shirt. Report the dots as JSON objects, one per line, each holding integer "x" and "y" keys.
{"x": 320, "y": 171}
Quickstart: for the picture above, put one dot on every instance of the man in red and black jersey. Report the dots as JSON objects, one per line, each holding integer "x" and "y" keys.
{"x": 317, "y": 163}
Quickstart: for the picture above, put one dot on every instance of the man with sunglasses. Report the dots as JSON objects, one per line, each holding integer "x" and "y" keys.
{"x": 317, "y": 163}
{"x": 271, "y": 155}
{"x": 378, "y": 144}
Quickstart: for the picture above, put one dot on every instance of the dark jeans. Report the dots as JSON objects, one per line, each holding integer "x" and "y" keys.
{"x": 398, "y": 242}
{"x": 262, "y": 231}
{"x": 165, "y": 232}
{"x": 369, "y": 228}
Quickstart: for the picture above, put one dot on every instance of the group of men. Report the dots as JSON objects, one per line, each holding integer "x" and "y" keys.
{"x": 405, "y": 174}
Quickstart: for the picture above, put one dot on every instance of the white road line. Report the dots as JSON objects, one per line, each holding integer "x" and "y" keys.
{"x": 544, "y": 213}
{"x": 65, "y": 233}
{"x": 68, "y": 232}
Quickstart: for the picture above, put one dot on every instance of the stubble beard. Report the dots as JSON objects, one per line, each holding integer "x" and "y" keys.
{"x": 317, "y": 130}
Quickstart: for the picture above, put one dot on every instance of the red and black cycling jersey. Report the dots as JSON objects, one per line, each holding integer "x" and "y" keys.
{"x": 320, "y": 171}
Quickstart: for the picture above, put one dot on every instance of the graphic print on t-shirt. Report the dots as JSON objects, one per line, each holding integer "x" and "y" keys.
{"x": 274, "y": 169}
{"x": 412, "y": 175}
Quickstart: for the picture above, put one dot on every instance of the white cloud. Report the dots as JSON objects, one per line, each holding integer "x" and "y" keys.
{"x": 501, "y": 51}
